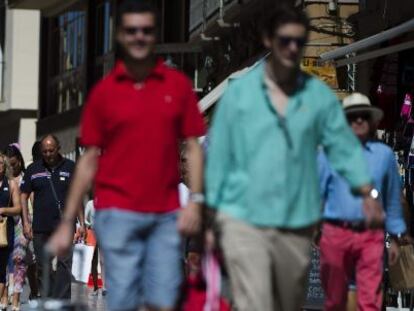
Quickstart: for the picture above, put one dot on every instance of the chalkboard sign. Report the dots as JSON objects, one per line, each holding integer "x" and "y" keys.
{"x": 315, "y": 295}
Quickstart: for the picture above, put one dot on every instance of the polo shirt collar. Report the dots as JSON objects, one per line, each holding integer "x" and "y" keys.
{"x": 121, "y": 72}
{"x": 57, "y": 166}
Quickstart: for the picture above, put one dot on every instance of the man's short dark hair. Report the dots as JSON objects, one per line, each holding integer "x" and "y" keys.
{"x": 136, "y": 6}
{"x": 279, "y": 15}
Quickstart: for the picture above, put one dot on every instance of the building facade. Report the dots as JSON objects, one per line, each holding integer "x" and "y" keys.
{"x": 19, "y": 76}
{"x": 208, "y": 39}
{"x": 77, "y": 49}
{"x": 381, "y": 58}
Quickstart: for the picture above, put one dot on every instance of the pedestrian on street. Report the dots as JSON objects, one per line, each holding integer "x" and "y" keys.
{"x": 347, "y": 247}
{"x": 30, "y": 259}
{"x": 9, "y": 207}
{"x": 262, "y": 174}
{"x": 132, "y": 124}
{"x": 49, "y": 179}
{"x": 97, "y": 254}
{"x": 18, "y": 273}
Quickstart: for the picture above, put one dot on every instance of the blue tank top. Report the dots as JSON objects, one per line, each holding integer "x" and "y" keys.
{"x": 5, "y": 201}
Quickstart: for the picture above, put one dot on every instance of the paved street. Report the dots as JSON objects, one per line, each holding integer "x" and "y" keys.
{"x": 80, "y": 293}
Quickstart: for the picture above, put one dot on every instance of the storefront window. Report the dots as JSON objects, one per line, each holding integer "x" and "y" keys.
{"x": 66, "y": 60}
{"x": 71, "y": 30}
{"x": 104, "y": 30}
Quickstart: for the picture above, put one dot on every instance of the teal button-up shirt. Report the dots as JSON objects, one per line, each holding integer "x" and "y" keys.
{"x": 262, "y": 168}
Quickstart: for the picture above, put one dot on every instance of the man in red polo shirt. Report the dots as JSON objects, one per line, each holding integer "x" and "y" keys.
{"x": 132, "y": 124}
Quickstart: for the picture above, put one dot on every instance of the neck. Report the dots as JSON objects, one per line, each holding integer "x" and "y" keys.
{"x": 285, "y": 78}
{"x": 17, "y": 177}
{"x": 55, "y": 164}
{"x": 140, "y": 69}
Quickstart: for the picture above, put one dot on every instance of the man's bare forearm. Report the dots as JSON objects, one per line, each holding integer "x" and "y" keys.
{"x": 81, "y": 216}
{"x": 24, "y": 198}
{"x": 195, "y": 165}
{"x": 82, "y": 180}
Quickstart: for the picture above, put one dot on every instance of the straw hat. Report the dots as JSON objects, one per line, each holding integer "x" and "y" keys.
{"x": 357, "y": 102}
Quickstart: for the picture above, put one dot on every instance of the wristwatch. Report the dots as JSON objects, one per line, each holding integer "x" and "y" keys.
{"x": 197, "y": 197}
{"x": 374, "y": 194}
{"x": 396, "y": 237}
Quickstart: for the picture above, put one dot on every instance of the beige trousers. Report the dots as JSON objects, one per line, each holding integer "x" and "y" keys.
{"x": 268, "y": 268}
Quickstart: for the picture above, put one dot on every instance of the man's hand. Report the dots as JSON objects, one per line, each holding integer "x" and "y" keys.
{"x": 189, "y": 221}
{"x": 61, "y": 241}
{"x": 374, "y": 213}
{"x": 393, "y": 253}
{"x": 210, "y": 242}
{"x": 406, "y": 239}
{"x": 27, "y": 231}
{"x": 82, "y": 232}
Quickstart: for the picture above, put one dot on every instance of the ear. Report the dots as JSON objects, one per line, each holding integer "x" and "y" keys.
{"x": 267, "y": 42}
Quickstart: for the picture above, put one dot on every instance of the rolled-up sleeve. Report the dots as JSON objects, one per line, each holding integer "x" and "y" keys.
{"x": 26, "y": 185}
{"x": 342, "y": 148}
{"x": 394, "y": 222}
{"x": 218, "y": 152}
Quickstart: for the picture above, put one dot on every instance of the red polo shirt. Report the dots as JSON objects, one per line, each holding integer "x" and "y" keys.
{"x": 138, "y": 128}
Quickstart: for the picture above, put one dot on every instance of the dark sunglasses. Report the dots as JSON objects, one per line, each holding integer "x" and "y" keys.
{"x": 148, "y": 30}
{"x": 287, "y": 40}
{"x": 352, "y": 117}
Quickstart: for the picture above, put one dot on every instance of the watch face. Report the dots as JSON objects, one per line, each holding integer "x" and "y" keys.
{"x": 374, "y": 193}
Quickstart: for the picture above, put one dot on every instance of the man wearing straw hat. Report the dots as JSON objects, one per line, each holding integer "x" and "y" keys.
{"x": 347, "y": 246}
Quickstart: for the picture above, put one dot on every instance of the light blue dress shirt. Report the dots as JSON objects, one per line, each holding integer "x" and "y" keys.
{"x": 341, "y": 204}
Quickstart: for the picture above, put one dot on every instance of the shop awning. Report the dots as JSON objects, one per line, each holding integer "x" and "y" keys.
{"x": 368, "y": 42}
{"x": 214, "y": 95}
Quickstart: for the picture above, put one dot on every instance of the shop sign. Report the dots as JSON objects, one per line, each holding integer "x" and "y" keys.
{"x": 325, "y": 72}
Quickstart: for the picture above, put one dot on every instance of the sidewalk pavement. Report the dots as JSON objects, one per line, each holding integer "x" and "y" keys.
{"x": 80, "y": 292}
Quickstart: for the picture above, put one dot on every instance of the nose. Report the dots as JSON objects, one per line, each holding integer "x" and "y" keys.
{"x": 139, "y": 35}
{"x": 293, "y": 46}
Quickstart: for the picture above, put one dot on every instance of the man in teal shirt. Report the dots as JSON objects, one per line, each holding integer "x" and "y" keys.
{"x": 262, "y": 173}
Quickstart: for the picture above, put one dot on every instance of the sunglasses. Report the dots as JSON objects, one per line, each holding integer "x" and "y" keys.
{"x": 352, "y": 117}
{"x": 146, "y": 30}
{"x": 285, "y": 41}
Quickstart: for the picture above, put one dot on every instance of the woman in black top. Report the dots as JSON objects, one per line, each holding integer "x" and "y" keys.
{"x": 9, "y": 206}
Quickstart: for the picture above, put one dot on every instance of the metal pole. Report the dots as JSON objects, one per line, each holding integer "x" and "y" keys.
{"x": 364, "y": 43}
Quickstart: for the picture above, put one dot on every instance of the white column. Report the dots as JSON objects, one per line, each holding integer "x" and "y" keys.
{"x": 22, "y": 59}
{"x": 27, "y": 136}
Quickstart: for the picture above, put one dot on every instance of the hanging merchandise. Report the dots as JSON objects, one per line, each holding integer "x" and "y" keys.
{"x": 406, "y": 108}
{"x": 407, "y": 118}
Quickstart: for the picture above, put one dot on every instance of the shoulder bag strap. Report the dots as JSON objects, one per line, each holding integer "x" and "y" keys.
{"x": 52, "y": 186}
